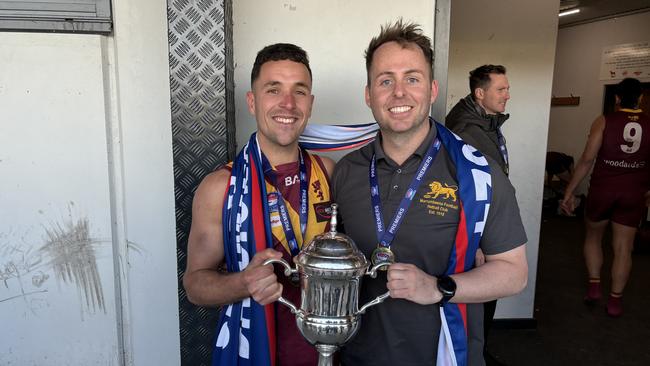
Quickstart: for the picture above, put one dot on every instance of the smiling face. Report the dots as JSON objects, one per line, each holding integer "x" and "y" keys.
{"x": 400, "y": 90}
{"x": 281, "y": 102}
{"x": 494, "y": 98}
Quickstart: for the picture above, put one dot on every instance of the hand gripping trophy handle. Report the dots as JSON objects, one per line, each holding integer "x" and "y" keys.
{"x": 288, "y": 271}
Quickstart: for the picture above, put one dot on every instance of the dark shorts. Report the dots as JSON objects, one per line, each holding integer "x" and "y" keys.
{"x": 620, "y": 205}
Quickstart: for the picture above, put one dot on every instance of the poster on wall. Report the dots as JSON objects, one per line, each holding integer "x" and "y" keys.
{"x": 629, "y": 60}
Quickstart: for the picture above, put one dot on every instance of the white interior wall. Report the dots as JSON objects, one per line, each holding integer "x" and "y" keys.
{"x": 53, "y": 174}
{"x": 86, "y": 137}
{"x": 143, "y": 113}
{"x": 577, "y": 70}
{"x": 520, "y": 35}
{"x": 335, "y": 35}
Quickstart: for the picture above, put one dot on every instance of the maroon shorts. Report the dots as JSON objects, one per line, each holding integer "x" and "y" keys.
{"x": 620, "y": 205}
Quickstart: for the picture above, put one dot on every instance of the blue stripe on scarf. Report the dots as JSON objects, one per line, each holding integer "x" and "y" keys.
{"x": 473, "y": 175}
{"x": 242, "y": 330}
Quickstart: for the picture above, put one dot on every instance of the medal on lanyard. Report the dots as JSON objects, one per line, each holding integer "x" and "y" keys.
{"x": 287, "y": 227}
{"x": 383, "y": 253}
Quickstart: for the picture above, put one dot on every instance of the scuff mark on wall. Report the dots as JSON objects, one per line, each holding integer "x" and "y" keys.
{"x": 39, "y": 278}
{"x": 72, "y": 257}
{"x": 291, "y": 7}
{"x": 69, "y": 254}
{"x": 19, "y": 262}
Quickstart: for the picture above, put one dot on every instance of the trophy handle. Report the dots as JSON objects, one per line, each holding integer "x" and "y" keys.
{"x": 288, "y": 271}
{"x": 372, "y": 272}
{"x": 378, "y": 300}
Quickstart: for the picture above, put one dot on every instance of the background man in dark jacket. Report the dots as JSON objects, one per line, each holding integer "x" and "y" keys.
{"x": 477, "y": 118}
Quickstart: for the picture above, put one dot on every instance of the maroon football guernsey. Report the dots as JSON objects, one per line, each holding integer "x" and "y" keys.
{"x": 292, "y": 348}
{"x": 624, "y": 156}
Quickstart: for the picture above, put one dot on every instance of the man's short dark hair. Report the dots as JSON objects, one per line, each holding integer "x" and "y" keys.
{"x": 279, "y": 52}
{"x": 480, "y": 76}
{"x": 404, "y": 34}
{"x": 629, "y": 90}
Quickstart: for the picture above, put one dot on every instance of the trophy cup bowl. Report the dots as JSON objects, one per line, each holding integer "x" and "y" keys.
{"x": 330, "y": 270}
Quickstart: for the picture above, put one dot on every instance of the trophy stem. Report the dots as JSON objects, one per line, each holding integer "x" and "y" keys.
{"x": 325, "y": 353}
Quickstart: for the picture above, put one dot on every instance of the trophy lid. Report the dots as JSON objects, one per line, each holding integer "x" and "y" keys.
{"x": 332, "y": 251}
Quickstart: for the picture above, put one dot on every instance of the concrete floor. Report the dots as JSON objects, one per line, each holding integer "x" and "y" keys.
{"x": 568, "y": 332}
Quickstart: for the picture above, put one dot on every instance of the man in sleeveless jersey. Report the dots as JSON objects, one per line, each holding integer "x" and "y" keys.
{"x": 411, "y": 149}
{"x": 281, "y": 101}
{"x": 618, "y": 148}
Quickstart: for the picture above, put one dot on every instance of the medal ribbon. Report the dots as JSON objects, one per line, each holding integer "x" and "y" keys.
{"x": 284, "y": 213}
{"x": 385, "y": 237}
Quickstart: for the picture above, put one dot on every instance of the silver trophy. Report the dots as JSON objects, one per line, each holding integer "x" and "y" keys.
{"x": 330, "y": 270}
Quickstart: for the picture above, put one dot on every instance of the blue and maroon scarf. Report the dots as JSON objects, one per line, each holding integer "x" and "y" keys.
{"x": 246, "y": 330}
{"x": 475, "y": 191}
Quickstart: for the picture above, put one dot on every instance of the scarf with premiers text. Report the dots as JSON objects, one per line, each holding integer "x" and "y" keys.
{"x": 246, "y": 330}
{"x": 475, "y": 188}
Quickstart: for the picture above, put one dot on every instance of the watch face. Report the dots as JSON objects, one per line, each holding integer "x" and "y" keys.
{"x": 447, "y": 286}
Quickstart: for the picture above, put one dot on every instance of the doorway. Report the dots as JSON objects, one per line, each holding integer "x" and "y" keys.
{"x": 609, "y": 102}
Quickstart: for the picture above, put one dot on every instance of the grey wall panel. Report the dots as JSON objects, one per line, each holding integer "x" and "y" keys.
{"x": 200, "y": 56}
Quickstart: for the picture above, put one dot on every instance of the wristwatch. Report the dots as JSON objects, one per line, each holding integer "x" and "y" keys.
{"x": 447, "y": 287}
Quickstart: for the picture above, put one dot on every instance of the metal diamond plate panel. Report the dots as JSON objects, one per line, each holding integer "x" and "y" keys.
{"x": 203, "y": 130}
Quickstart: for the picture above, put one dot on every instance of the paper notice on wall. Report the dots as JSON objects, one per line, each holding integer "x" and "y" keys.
{"x": 630, "y": 60}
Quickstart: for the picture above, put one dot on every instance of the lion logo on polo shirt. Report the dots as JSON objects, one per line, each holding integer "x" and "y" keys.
{"x": 437, "y": 189}
{"x": 441, "y": 199}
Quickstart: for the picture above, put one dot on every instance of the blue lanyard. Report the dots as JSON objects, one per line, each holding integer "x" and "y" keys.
{"x": 385, "y": 237}
{"x": 503, "y": 149}
{"x": 284, "y": 212}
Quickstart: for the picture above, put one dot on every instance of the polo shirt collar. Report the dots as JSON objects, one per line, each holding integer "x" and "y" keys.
{"x": 420, "y": 151}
